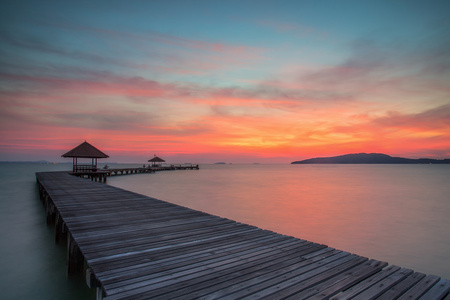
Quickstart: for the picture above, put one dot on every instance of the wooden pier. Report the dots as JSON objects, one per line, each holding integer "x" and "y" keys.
{"x": 100, "y": 175}
{"x": 132, "y": 246}
{"x": 149, "y": 169}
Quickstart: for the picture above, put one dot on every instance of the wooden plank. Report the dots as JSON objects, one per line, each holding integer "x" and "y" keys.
{"x": 420, "y": 288}
{"x": 384, "y": 285}
{"x": 400, "y": 288}
{"x": 290, "y": 289}
{"x": 365, "y": 284}
{"x": 447, "y": 297}
{"x": 341, "y": 282}
{"x": 438, "y": 291}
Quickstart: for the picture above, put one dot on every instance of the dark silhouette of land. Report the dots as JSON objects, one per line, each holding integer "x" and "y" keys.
{"x": 370, "y": 158}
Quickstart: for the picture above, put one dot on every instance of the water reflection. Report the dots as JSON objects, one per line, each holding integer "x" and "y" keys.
{"x": 394, "y": 213}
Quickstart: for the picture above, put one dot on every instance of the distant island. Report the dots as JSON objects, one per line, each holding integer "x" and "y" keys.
{"x": 370, "y": 158}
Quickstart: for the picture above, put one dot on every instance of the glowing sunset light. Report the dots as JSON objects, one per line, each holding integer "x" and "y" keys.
{"x": 217, "y": 81}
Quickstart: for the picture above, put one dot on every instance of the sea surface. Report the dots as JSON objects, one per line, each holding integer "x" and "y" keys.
{"x": 394, "y": 213}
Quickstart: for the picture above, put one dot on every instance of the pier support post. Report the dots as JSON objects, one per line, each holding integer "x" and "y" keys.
{"x": 92, "y": 282}
{"x": 100, "y": 293}
{"x": 60, "y": 229}
{"x": 41, "y": 189}
{"x": 49, "y": 209}
{"x": 75, "y": 260}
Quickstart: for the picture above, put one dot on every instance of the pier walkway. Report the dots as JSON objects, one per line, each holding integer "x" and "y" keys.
{"x": 100, "y": 175}
{"x": 149, "y": 169}
{"x": 132, "y": 246}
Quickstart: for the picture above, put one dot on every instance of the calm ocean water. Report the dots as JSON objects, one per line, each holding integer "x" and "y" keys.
{"x": 395, "y": 213}
{"x": 33, "y": 267}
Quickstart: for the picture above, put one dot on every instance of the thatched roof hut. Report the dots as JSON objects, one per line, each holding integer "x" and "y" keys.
{"x": 85, "y": 150}
{"x": 155, "y": 160}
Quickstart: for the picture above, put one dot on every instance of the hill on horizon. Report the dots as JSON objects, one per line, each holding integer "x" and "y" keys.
{"x": 370, "y": 158}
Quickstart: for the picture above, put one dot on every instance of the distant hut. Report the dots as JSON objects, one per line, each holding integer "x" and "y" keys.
{"x": 85, "y": 150}
{"x": 156, "y": 160}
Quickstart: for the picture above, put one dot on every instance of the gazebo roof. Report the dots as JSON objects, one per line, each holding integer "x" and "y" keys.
{"x": 85, "y": 150}
{"x": 156, "y": 159}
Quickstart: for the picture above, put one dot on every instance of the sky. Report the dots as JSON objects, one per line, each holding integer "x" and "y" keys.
{"x": 234, "y": 81}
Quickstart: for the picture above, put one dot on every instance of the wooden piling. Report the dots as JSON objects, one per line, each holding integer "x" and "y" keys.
{"x": 75, "y": 259}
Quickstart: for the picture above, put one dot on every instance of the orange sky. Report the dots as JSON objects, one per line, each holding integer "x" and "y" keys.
{"x": 243, "y": 86}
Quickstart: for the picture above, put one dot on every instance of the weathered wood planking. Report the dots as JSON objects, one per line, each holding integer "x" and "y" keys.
{"x": 137, "y": 247}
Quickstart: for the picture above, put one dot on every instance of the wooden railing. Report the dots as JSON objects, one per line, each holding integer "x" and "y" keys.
{"x": 85, "y": 168}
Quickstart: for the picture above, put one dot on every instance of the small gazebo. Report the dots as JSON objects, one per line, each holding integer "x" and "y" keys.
{"x": 85, "y": 150}
{"x": 156, "y": 160}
